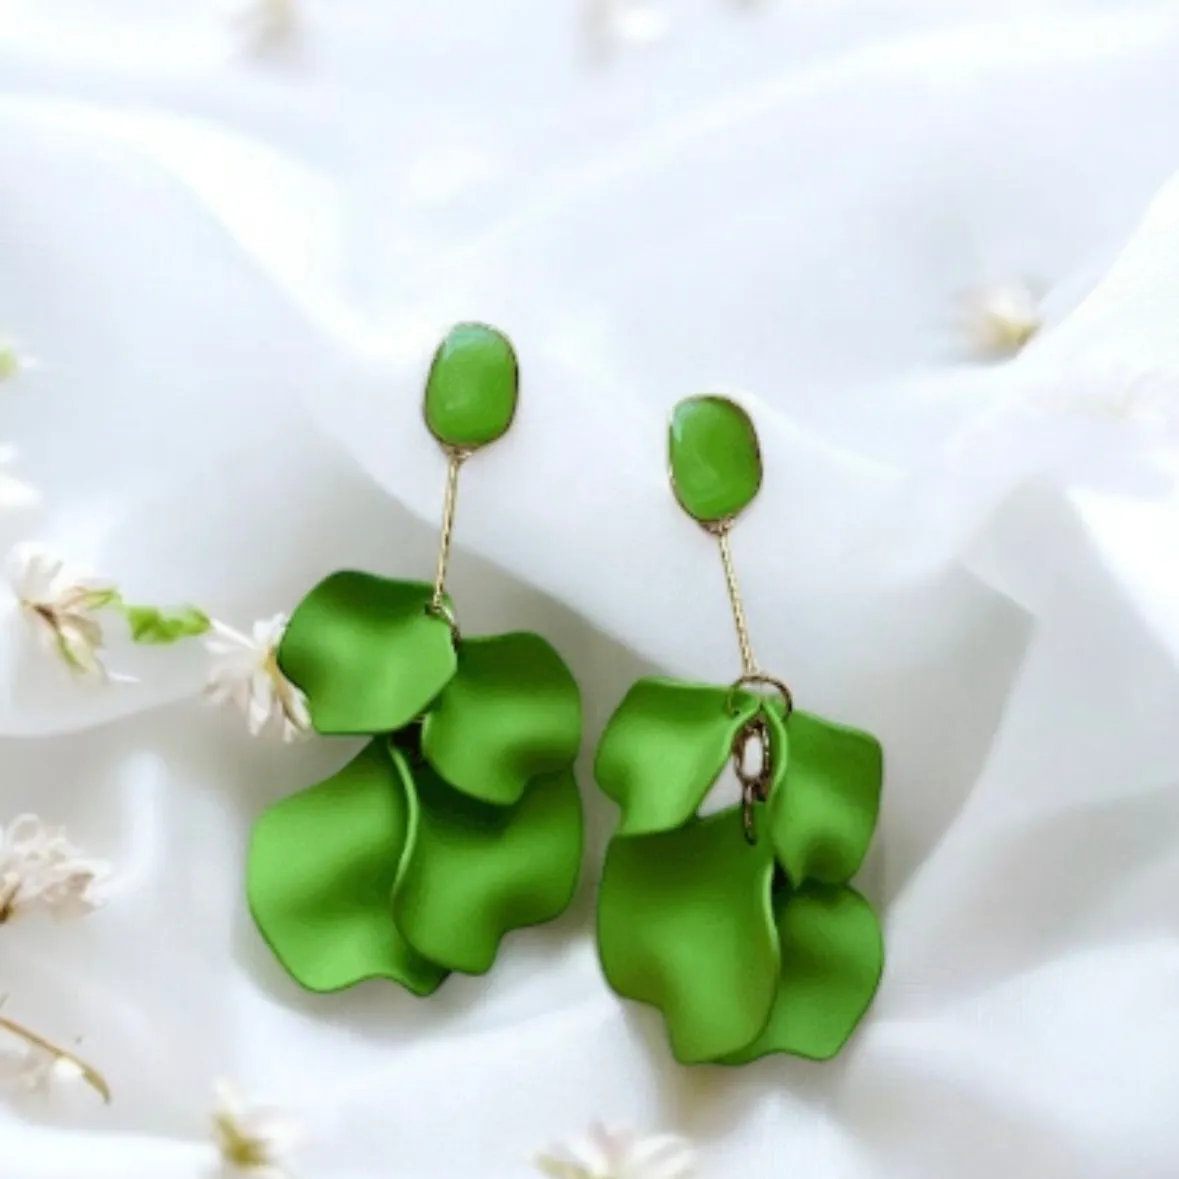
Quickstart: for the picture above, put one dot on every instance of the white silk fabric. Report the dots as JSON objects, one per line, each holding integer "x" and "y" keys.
{"x": 232, "y": 270}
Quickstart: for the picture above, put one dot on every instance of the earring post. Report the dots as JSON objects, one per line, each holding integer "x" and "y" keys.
{"x": 748, "y": 662}
{"x": 449, "y": 507}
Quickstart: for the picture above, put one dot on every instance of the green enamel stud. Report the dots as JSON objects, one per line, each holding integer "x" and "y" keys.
{"x": 460, "y": 820}
{"x": 472, "y": 389}
{"x": 740, "y": 927}
{"x": 714, "y": 457}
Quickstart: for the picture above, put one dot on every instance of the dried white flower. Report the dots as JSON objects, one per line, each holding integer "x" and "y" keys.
{"x": 999, "y": 320}
{"x": 251, "y": 1139}
{"x": 266, "y": 27}
{"x": 30, "y": 1063}
{"x": 41, "y": 868}
{"x": 62, "y": 604}
{"x": 606, "y": 1154}
{"x": 247, "y": 674}
{"x": 35, "y": 1069}
{"x": 14, "y": 492}
{"x": 13, "y": 361}
{"x": 611, "y": 24}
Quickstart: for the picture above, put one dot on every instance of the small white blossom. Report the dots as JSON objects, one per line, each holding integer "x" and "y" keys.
{"x": 611, "y": 24}
{"x": 62, "y": 604}
{"x": 33, "y": 1068}
{"x": 246, "y": 673}
{"x": 251, "y": 1139}
{"x": 30, "y": 1063}
{"x": 606, "y": 1154}
{"x": 999, "y": 320}
{"x": 13, "y": 361}
{"x": 41, "y": 868}
{"x": 266, "y": 27}
{"x": 14, "y": 492}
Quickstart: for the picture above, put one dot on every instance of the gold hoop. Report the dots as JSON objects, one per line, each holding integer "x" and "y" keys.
{"x": 760, "y": 679}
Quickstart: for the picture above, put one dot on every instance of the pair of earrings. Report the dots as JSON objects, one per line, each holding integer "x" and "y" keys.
{"x": 461, "y": 819}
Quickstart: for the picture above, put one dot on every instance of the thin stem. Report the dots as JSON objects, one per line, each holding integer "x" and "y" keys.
{"x": 449, "y": 505}
{"x": 748, "y": 663}
{"x": 90, "y": 1075}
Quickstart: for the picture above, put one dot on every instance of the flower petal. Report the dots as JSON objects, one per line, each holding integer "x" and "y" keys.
{"x": 832, "y": 960}
{"x": 366, "y": 653}
{"x": 511, "y": 713}
{"x": 664, "y": 747}
{"x": 824, "y": 807}
{"x": 321, "y": 866}
{"x": 685, "y": 923}
{"x": 473, "y": 871}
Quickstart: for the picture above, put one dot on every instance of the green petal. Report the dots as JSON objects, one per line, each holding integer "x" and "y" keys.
{"x": 473, "y": 871}
{"x": 832, "y": 960}
{"x": 366, "y": 653}
{"x": 664, "y": 747}
{"x": 824, "y": 813}
{"x": 685, "y": 923}
{"x": 511, "y": 713}
{"x": 320, "y": 867}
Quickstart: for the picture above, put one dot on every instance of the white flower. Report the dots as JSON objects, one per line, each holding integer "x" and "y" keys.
{"x": 62, "y": 604}
{"x": 999, "y": 320}
{"x": 40, "y": 867}
{"x": 34, "y": 1068}
{"x": 14, "y": 492}
{"x": 613, "y": 23}
{"x": 251, "y": 1139}
{"x": 31, "y": 1063}
{"x": 248, "y": 675}
{"x": 266, "y": 27}
{"x": 13, "y": 361}
{"x": 606, "y": 1154}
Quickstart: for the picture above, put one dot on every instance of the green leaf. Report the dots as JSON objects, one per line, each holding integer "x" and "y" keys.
{"x": 320, "y": 868}
{"x": 472, "y": 872}
{"x": 664, "y": 747}
{"x": 832, "y": 960}
{"x": 824, "y": 813}
{"x": 714, "y": 457}
{"x": 685, "y": 923}
{"x": 472, "y": 388}
{"x": 154, "y": 627}
{"x": 366, "y": 653}
{"x": 511, "y": 713}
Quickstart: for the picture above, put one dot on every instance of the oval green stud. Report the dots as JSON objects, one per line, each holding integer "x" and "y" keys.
{"x": 472, "y": 388}
{"x": 714, "y": 457}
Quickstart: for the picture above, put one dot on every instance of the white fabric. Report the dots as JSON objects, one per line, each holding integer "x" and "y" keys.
{"x": 233, "y": 272}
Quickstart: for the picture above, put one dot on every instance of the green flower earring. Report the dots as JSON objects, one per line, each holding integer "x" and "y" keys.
{"x": 460, "y": 820}
{"x": 740, "y": 926}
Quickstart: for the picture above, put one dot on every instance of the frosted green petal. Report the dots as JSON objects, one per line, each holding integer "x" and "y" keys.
{"x": 832, "y": 960}
{"x": 511, "y": 713}
{"x": 685, "y": 923}
{"x": 663, "y": 748}
{"x": 824, "y": 813}
{"x": 473, "y": 871}
{"x": 366, "y": 653}
{"x": 320, "y": 867}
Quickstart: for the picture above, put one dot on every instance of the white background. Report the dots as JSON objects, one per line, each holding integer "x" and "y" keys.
{"x": 233, "y": 267}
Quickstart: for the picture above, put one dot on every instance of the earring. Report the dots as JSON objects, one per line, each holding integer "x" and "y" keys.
{"x": 739, "y": 926}
{"x": 460, "y": 820}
